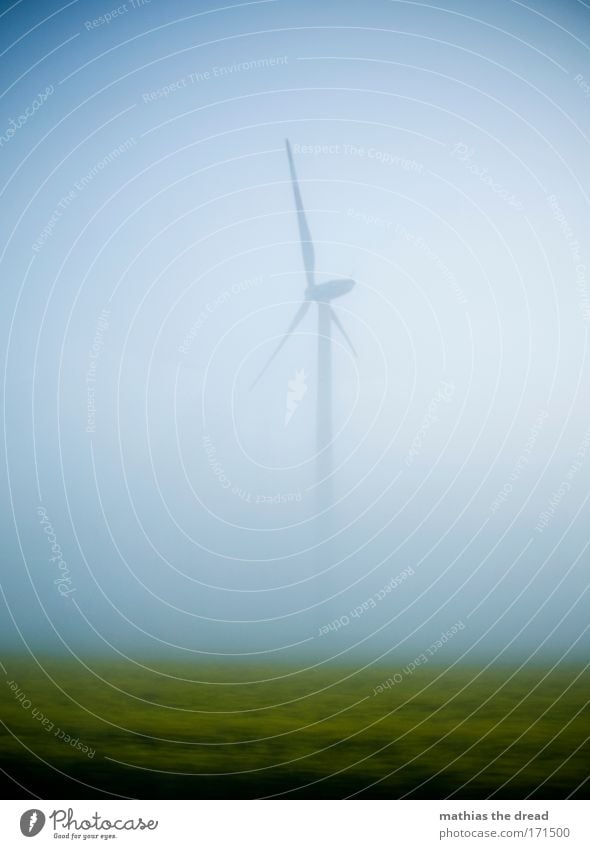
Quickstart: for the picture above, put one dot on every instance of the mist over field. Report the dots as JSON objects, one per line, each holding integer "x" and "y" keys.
{"x": 407, "y": 480}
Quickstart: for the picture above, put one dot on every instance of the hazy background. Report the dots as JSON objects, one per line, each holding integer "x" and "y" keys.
{"x": 189, "y": 240}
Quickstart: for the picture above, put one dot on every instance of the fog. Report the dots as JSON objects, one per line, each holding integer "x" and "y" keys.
{"x": 441, "y": 167}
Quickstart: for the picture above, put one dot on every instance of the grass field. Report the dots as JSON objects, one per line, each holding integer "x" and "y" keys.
{"x": 185, "y": 732}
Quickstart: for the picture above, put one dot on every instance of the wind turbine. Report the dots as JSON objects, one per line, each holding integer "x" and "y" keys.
{"x": 321, "y": 294}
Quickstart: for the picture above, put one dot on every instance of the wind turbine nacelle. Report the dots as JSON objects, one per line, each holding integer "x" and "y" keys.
{"x": 330, "y": 290}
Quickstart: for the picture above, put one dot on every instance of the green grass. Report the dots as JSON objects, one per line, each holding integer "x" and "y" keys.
{"x": 319, "y": 733}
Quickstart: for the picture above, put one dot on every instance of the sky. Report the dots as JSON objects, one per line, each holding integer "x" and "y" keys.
{"x": 153, "y": 502}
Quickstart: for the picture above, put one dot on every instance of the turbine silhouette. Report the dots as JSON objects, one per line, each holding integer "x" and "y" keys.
{"x": 322, "y": 294}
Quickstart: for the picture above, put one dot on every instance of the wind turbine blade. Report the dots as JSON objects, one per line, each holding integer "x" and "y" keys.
{"x": 307, "y": 249}
{"x": 298, "y": 317}
{"x": 338, "y": 324}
